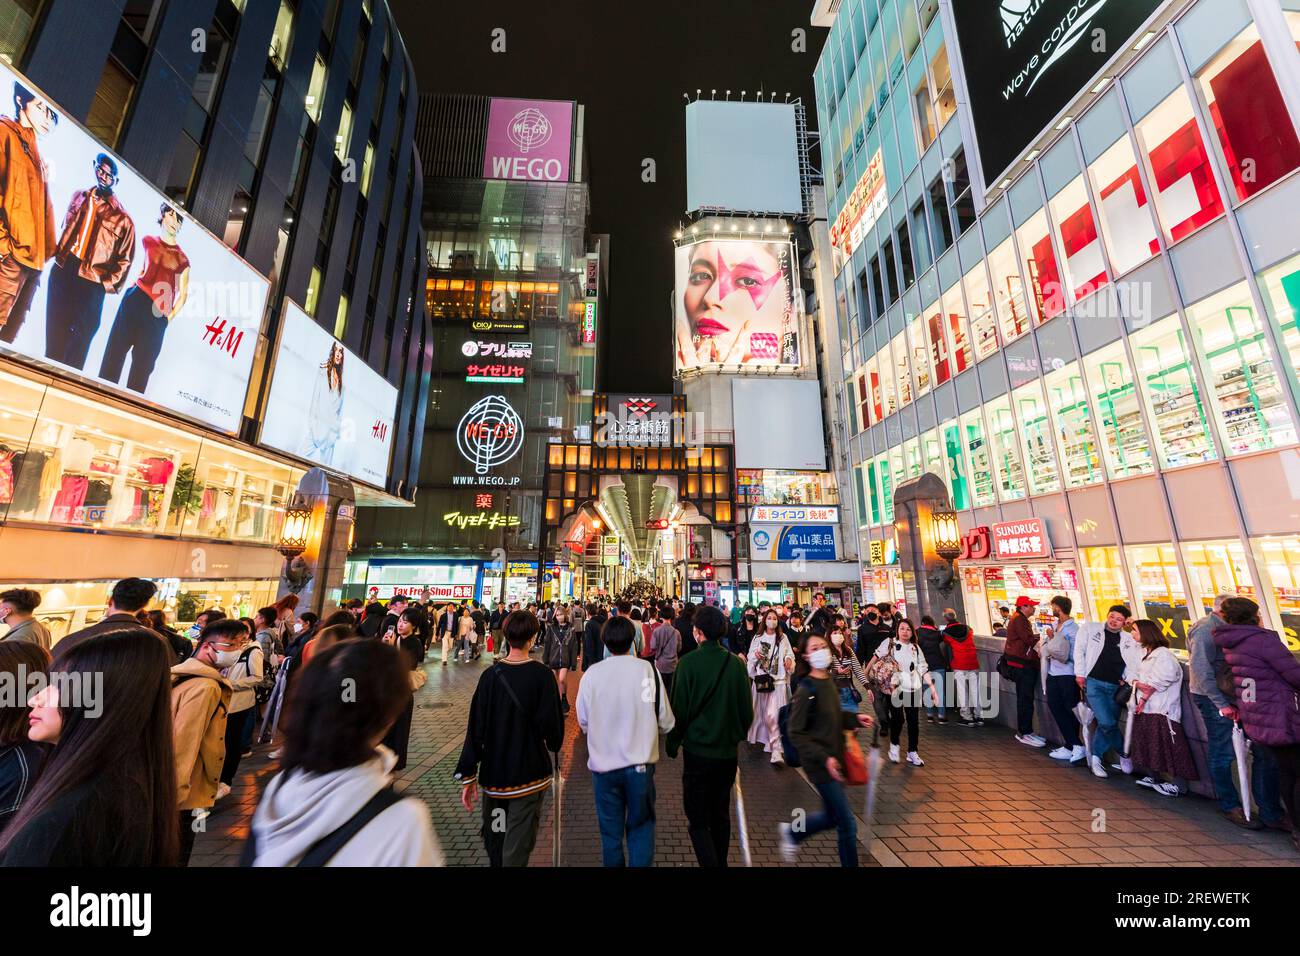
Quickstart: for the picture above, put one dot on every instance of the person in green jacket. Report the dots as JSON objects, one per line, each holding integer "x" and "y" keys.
{"x": 712, "y": 700}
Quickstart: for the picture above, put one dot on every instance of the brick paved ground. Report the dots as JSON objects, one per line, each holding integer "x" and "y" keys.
{"x": 981, "y": 799}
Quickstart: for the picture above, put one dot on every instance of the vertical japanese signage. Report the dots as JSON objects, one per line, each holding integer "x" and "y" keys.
{"x": 591, "y": 293}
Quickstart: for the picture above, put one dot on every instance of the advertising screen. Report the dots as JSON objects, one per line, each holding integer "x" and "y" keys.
{"x": 737, "y": 303}
{"x": 102, "y": 277}
{"x": 867, "y": 203}
{"x": 1025, "y": 60}
{"x": 778, "y": 423}
{"x": 529, "y": 139}
{"x": 326, "y": 404}
{"x": 742, "y": 157}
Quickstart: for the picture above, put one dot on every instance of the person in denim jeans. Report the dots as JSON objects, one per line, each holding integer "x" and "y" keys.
{"x": 617, "y": 711}
{"x": 1104, "y": 657}
{"x": 1218, "y": 713}
{"x": 936, "y": 658}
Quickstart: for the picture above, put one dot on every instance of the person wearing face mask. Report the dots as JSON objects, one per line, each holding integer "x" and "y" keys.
{"x": 201, "y": 699}
{"x": 817, "y": 728}
{"x": 1105, "y": 657}
{"x": 844, "y": 668}
{"x": 913, "y": 674}
{"x": 560, "y": 653}
{"x": 770, "y": 663}
{"x": 743, "y": 636}
{"x": 244, "y": 675}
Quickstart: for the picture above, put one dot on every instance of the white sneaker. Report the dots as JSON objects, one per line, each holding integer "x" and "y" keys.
{"x": 1061, "y": 753}
{"x": 1078, "y": 755}
{"x": 1148, "y": 782}
{"x": 1097, "y": 769}
{"x": 893, "y": 753}
{"x": 789, "y": 849}
{"x": 223, "y": 790}
{"x": 914, "y": 759}
{"x": 1167, "y": 790}
{"x": 1029, "y": 741}
{"x": 1042, "y": 741}
{"x": 274, "y": 754}
{"x": 1125, "y": 766}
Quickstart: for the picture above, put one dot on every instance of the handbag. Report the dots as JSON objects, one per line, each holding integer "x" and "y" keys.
{"x": 1122, "y": 694}
{"x": 766, "y": 683}
{"x": 855, "y": 764}
{"x": 418, "y": 678}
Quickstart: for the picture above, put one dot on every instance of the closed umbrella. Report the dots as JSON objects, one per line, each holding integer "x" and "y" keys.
{"x": 1084, "y": 713}
{"x": 1240, "y": 747}
{"x": 874, "y": 761}
{"x": 1133, "y": 707}
{"x": 559, "y": 806}
{"x": 741, "y": 823}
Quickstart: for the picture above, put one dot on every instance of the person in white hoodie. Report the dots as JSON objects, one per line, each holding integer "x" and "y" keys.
{"x": 1160, "y": 744}
{"x": 332, "y": 803}
{"x": 244, "y": 675}
{"x": 1105, "y": 657}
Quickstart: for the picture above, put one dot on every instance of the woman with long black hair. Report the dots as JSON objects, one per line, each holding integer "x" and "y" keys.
{"x": 107, "y": 794}
{"x": 20, "y": 756}
{"x": 409, "y": 636}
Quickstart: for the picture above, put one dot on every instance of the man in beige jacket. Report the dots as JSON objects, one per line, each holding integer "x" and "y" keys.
{"x": 200, "y": 703}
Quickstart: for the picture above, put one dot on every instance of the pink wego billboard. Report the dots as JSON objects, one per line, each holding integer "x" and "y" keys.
{"x": 529, "y": 139}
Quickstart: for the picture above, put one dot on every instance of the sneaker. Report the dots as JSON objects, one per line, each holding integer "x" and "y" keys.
{"x": 893, "y": 753}
{"x": 223, "y": 790}
{"x": 965, "y": 722}
{"x": 1029, "y": 741}
{"x": 1148, "y": 782}
{"x": 1167, "y": 790}
{"x": 274, "y": 754}
{"x": 979, "y": 721}
{"x": 1078, "y": 755}
{"x": 789, "y": 849}
{"x": 1097, "y": 769}
{"x": 929, "y": 718}
{"x": 1125, "y": 766}
{"x": 914, "y": 759}
{"x": 1042, "y": 741}
{"x": 1061, "y": 753}
{"x": 1238, "y": 816}
{"x": 941, "y": 719}
{"x": 246, "y": 753}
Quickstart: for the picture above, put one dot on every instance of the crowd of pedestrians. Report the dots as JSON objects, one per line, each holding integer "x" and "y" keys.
{"x": 659, "y": 679}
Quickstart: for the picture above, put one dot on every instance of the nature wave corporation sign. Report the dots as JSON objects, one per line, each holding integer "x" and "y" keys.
{"x": 529, "y": 140}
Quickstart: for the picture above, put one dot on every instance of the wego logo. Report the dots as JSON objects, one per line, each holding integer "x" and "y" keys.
{"x": 490, "y": 433}
{"x": 529, "y": 130}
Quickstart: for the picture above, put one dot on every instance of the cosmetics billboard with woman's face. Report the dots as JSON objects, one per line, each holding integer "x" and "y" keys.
{"x": 736, "y": 304}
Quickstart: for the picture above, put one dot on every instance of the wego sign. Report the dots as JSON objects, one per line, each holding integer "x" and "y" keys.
{"x": 490, "y": 433}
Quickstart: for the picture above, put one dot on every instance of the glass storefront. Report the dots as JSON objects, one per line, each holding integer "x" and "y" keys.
{"x": 1170, "y": 394}
{"x": 1161, "y": 596}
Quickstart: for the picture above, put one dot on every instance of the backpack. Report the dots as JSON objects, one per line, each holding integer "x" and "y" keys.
{"x": 883, "y": 674}
{"x": 261, "y": 690}
{"x": 789, "y": 750}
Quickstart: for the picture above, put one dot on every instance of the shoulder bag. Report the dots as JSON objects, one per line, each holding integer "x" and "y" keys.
{"x": 766, "y": 683}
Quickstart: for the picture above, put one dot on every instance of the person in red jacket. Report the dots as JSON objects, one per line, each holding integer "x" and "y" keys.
{"x": 1021, "y": 652}
{"x": 965, "y": 666}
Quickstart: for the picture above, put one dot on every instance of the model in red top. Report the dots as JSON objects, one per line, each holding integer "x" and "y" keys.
{"x": 148, "y": 307}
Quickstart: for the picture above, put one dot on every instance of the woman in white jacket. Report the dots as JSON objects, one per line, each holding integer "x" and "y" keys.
{"x": 332, "y": 803}
{"x": 769, "y": 656}
{"x": 909, "y": 682}
{"x": 1159, "y": 744}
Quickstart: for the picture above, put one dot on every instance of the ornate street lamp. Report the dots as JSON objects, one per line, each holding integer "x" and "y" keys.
{"x": 294, "y": 537}
{"x": 946, "y": 534}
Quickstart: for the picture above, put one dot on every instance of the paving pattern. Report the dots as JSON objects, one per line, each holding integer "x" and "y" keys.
{"x": 981, "y": 799}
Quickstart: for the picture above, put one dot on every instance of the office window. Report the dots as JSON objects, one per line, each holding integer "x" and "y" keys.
{"x": 1076, "y": 436}
{"x": 892, "y": 277}
{"x": 874, "y": 397}
{"x": 1125, "y": 214}
{"x": 945, "y": 100}
{"x": 1004, "y": 442}
{"x": 906, "y": 255}
{"x": 981, "y": 466}
{"x": 281, "y": 36}
{"x": 341, "y": 317}
{"x": 938, "y": 344}
{"x": 926, "y": 126}
{"x": 1119, "y": 412}
{"x": 316, "y": 90}
{"x": 1186, "y": 195}
{"x": 1281, "y": 288}
{"x": 181, "y": 174}
{"x": 1242, "y": 372}
{"x": 955, "y": 310}
{"x": 261, "y": 119}
{"x": 921, "y": 237}
{"x": 888, "y": 393}
{"x": 16, "y": 19}
{"x": 963, "y": 203}
{"x": 1076, "y": 232}
{"x": 940, "y": 217}
{"x": 984, "y": 320}
{"x": 1256, "y": 140}
{"x": 112, "y": 97}
{"x": 211, "y": 64}
{"x": 343, "y": 138}
{"x": 1169, "y": 391}
{"x": 877, "y": 288}
{"x": 912, "y": 457}
{"x": 1040, "y": 460}
{"x": 920, "y": 355}
{"x": 902, "y": 377}
{"x": 1008, "y": 291}
{"x": 367, "y": 168}
{"x": 1046, "y": 296}
{"x": 313, "y": 292}
{"x": 959, "y": 476}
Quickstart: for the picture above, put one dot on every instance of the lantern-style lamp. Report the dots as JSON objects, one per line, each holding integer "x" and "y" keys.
{"x": 946, "y": 534}
{"x": 296, "y": 531}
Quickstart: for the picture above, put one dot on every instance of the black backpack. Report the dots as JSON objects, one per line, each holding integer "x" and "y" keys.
{"x": 790, "y": 751}
{"x": 263, "y": 689}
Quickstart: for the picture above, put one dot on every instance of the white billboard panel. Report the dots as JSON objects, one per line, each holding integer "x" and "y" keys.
{"x": 742, "y": 157}
{"x": 778, "y": 423}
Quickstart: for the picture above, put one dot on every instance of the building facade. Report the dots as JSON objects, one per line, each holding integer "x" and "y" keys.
{"x": 514, "y": 291}
{"x": 232, "y": 181}
{"x": 1095, "y": 347}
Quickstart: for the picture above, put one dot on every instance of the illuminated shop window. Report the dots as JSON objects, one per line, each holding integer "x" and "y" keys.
{"x": 981, "y": 465}
{"x": 1076, "y": 436}
{"x": 958, "y": 473}
{"x": 1004, "y": 441}
{"x": 955, "y": 310}
{"x": 887, "y": 471}
{"x": 874, "y": 396}
{"x": 1170, "y": 393}
{"x": 1255, "y": 138}
{"x": 873, "y": 490}
{"x": 1216, "y": 567}
{"x": 1186, "y": 195}
{"x": 932, "y": 456}
{"x": 1105, "y": 577}
{"x": 1161, "y": 597}
{"x": 1281, "y": 289}
{"x": 1076, "y": 232}
{"x": 1244, "y": 384}
{"x": 1125, "y": 214}
{"x": 1119, "y": 412}
{"x": 1040, "y": 460}
{"x": 984, "y": 321}
{"x": 1046, "y": 293}
{"x": 1278, "y": 560}
{"x": 912, "y": 458}
{"x": 938, "y": 344}
{"x": 1008, "y": 292}
{"x": 920, "y": 356}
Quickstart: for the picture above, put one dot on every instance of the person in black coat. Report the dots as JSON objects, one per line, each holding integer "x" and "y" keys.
{"x": 870, "y": 633}
{"x": 593, "y": 648}
{"x": 743, "y": 634}
{"x": 373, "y": 620}
{"x": 686, "y": 628}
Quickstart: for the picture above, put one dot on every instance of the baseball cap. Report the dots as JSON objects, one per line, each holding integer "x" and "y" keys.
{"x": 1026, "y": 601}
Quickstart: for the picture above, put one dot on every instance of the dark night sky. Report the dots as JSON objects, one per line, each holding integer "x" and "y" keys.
{"x": 628, "y": 62}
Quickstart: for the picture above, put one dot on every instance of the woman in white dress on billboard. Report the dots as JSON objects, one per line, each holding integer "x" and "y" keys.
{"x": 325, "y": 414}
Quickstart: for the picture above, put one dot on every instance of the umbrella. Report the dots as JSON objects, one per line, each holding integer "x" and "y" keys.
{"x": 1084, "y": 713}
{"x": 272, "y": 715}
{"x": 741, "y": 824}
{"x": 873, "y": 775}
{"x": 1128, "y": 725}
{"x": 555, "y": 830}
{"x": 1240, "y": 748}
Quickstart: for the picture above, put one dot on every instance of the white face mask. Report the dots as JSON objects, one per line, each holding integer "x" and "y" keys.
{"x": 224, "y": 659}
{"x": 837, "y": 639}
{"x": 820, "y": 659}
{"x": 297, "y": 628}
